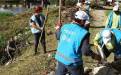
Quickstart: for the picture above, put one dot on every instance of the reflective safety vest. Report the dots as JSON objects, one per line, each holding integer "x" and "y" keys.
{"x": 117, "y": 34}
{"x": 34, "y": 30}
{"x": 87, "y": 9}
{"x": 111, "y": 20}
{"x": 68, "y": 51}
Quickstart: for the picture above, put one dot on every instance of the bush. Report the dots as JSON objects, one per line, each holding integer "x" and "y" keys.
{"x": 2, "y": 49}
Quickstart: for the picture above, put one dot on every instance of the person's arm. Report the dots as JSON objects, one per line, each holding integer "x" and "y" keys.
{"x": 34, "y": 25}
{"x": 9, "y": 47}
{"x": 85, "y": 46}
{"x": 86, "y": 50}
{"x": 97, "y": 37}
{"x": 107, "y": 21}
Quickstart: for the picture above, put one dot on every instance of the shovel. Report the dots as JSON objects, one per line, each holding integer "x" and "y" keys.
{"x": 43, "y": 30}
{"x": 100, "y": 52}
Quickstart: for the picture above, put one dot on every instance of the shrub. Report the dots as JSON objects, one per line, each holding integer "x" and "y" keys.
{"x": 2, "y": 49}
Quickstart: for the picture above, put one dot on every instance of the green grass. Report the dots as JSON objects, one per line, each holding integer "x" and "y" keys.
{"x": 31, "y": 65}
{"x": 34, "y": 65}
{"x": 3, "y": 16}
{"x": 108, "y": 12}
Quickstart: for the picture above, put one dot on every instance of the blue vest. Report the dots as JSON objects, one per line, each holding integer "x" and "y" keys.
{"x": 68, "y": 51}
{"x": 34, "y": 30}
{"x": 117, "y": 40}
{"x": 111, "y": 20}
{"x": 87, "y": 7}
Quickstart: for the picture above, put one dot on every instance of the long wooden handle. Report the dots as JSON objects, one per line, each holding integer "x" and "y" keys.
{"x": 43, "y": 26}
{"x": 101, "y": 53}
{"x": 60, "y": 12}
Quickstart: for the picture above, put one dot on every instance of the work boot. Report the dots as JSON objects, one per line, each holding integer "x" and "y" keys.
{"x": 44, "y": 48}
{"x": 35, "y": 49}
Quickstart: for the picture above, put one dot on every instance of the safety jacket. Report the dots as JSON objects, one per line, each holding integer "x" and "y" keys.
{"x": 11, "y": 45}
{"x": 111, "y": 19}
{"x": 34, "y": 30}
{"x": 68, "y": 51}
{"x": 117, "y": 34}
{"x": 87, "y": 9}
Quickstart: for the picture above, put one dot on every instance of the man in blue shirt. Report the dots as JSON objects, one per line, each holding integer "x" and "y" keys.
{"x": 74, "y": 40}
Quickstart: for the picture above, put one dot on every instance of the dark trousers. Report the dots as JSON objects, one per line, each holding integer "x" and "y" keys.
{"x": 62, "y": 69}
{"x": 12, "y": 53}
{"x": 108, "y": 52}
{"x": 36, "y": 39}
{"x": 86, "y": 27}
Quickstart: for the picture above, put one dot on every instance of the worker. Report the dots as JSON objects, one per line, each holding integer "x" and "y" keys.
{"x": 74, "y": 40}
{"x": 87, "y": 7}
{"x": 79, "y": 6}
{"x": 87, "y": 23}
{"x": 58, "y": 32}
{"x": 36, "y": 23}
{"x": 111, "y": 38}
{"x": 11, "y": 47}
{"x": 114, "y": 18}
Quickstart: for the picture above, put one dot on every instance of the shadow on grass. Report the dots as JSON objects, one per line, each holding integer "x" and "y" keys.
{"x": 51, "y": 51}
{"x": 97, "y": 26}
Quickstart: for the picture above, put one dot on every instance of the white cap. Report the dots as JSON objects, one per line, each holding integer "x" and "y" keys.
{"x": 86, "y": 2}
{"x": 106, "y": 36}
{"x": 79, "y": 4}
{"x": 89, "y": 2}
{"x": 81, "y": 15}
{"x": 57, "y": 27}
{"x": 115, "y": 8}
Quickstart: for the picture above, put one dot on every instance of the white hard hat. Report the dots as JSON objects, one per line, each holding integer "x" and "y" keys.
{"x": 86, "y": 2}
{"x": 57, "y": 27}
{"x": 106, "y": 36}
{"x": 81, "y": 15}
{"x": 116, "y": 7}
{"x": 79, "y": 4}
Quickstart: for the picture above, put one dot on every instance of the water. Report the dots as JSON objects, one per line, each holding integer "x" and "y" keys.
{"x": 17, "y": 8}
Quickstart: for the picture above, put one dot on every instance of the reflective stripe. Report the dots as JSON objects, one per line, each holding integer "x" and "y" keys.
{"x": 73, "y": 60}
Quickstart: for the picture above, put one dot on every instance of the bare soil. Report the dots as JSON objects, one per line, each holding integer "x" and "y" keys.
{"x": 98, "y": 19}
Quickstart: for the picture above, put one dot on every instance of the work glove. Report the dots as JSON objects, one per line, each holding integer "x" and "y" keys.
{"x": 97, "y": 57}
{"x": 58, "y": 26}
{"x": 95, "y": 43}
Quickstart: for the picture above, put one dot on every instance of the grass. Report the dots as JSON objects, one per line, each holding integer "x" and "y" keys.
{"x": 108, "y": 12}
{"x": 3, "y": 16}
{"x": 26, "y": 64}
